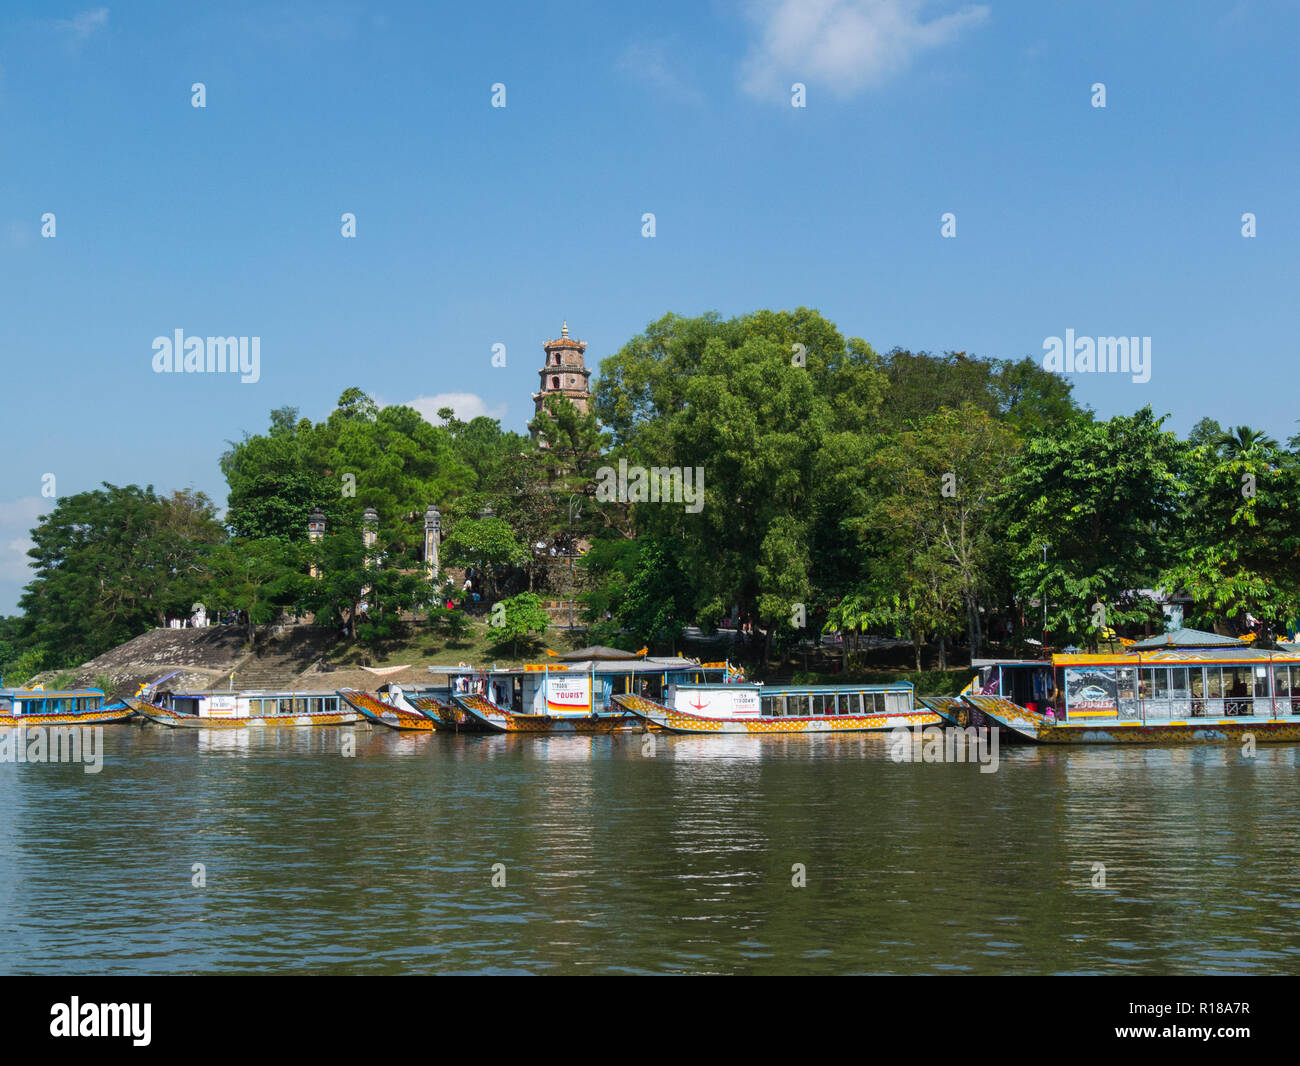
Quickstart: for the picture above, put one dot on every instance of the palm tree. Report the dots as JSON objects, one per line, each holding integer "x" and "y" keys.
{"x": 1242, "y": 439}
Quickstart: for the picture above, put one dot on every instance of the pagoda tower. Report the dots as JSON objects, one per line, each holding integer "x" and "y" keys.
{"x": 565, "y": 373}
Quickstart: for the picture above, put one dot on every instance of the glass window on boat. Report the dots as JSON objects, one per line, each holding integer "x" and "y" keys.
{"x": 331, "y": 704}
{"x": 1236, "y": 682}
{"x": 1126, "y": 683}
{"x": 1155, "y": 684}
{"x": 1282, "y": 681}
{"x": 1261, "y": 682}
{"x": 315, "y": 703}
{"x": 1213, "y": 683}
{"x": 286, "y": 706}
{"x": 1178, "y": 683}
{"x": 54, "y": 706}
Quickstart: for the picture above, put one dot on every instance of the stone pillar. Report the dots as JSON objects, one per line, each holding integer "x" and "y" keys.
{"x": 369, "y": 538}
{"x": 315, "y": 533}
{"x": 370, "y": 534}
{"x": 432, "y": 535}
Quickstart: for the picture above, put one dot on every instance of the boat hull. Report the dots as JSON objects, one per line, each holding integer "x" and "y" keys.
{"x": 675, "y": 721}
{"x": 164, "y": 717}
{"x": 495, "y": 720}
{"x": 448, "y": 717}
{"x": 1031, "y": 726}
{"x": 383, "y": 714}
{"x": 104, "y": 716}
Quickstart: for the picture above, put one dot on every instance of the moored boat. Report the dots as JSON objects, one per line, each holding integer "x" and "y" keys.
{"x": 575, "y": 693}
{"x": 1182, "y": 687}
{"x": 242, "y": 710}
{"x": 57, "y": 707}
{"x": 391, "y": 713}
{"x": 766, "y": 709}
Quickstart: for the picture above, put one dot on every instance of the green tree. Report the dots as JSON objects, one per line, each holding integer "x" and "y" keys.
{"x": 1102, "y": 498}
{"x": 519, "y": 616}
{"x": 1236, "y": 547}
{"x": 111, "y": 563}
{"x": 258, "y": 577}
{"x": 486, "y": 543}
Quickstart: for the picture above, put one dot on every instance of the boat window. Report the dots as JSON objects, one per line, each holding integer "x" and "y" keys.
{"x": 1281, "y": 680}
{"x": 1236, "y": 681}
{"x": 315, "y": 704}
{"x": 1261, "y": 682}
{"x": 1155, "y": 684}
{"x": 1125, "y": 682}
{"x": 1214, "y": 682}
{"x": 54, "y": 706}
{"x": 331, "y": 704}
{"x": 1178, "y": 682}
{"x": 286, "y": 706}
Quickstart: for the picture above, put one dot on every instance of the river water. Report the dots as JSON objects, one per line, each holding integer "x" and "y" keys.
{"x": 634, "y": 854}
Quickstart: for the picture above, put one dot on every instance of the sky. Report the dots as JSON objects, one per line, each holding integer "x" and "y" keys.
{"x": 479, "y": 225}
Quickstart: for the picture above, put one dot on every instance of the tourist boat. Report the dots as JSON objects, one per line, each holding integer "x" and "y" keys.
{"x": 575, "y": 693}
{"x": 55, "y": 707}
{"x": 762, "y": 709}
{"x": 435, "y": 702}
{"x": 241, "y": 710}
{"x": 1186, "y": 686}
{"x": 391, "y": 709}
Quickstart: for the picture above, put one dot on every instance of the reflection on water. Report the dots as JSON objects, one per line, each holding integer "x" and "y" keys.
{"x": 644, "y": 853}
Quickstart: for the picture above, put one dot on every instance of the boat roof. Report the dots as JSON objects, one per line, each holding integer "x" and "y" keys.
{"x": 253, "y": 693}
{"x": 38, "y": 693}
{"x": 1188, "y": 638}
{"x": 596, "y": 651}
{"x": 813, "y": 690}
{"x": 648, "y": 665}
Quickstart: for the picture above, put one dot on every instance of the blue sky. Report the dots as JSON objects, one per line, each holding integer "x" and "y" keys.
{"x": 479, "y": 225}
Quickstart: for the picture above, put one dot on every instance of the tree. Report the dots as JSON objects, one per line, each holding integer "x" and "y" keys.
{"x": 655, "y": 605}
{"x": 1103, "y": 498}
{"x": 519, "y": 616}
{"x": 1236, "y": 547}
{"x": 109, "y": 564}
{"x": 755, "y": 403}
{"x": 258, "y": 577}
{"x": 486, "y": 543}
{"x": 934, "y": 488}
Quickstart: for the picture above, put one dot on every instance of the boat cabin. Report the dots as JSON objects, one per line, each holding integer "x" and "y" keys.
{"x": 1173, "y": 677}
{"x": 252, "y": 704}
{"x": 582, "y": 683}
{"x": 753, "y": 700}
{"x": 33, "y": 702}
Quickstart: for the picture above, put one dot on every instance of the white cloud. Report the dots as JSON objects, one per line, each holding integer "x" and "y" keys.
{"x": 83, "y": 25}
{"x": 647, "y": 62}
{"x": 844, "y": 46}
{"x": 467, "y": 406}
{"x": 17, "y": 517}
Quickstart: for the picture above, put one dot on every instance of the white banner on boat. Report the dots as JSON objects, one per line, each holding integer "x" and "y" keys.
{"x": 220, "y": 707}
{"x": 718, "y": 702}
{"x": 568, "y": 695}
